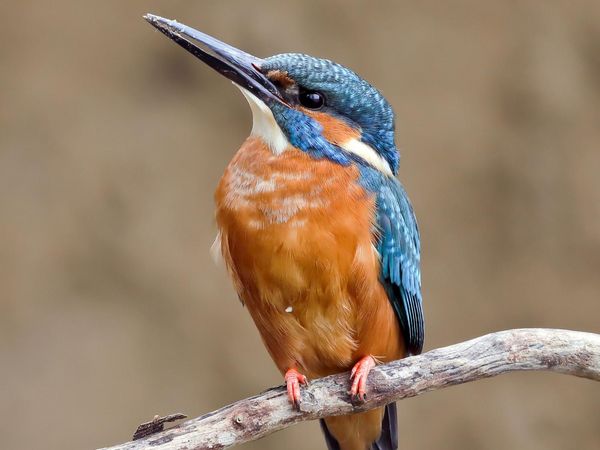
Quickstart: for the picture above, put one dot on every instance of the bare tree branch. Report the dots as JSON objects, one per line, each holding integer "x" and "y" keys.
{"x": 569, "y": 352}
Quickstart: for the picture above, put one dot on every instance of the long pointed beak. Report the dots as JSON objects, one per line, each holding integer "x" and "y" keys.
{"x": 236, "y": 65}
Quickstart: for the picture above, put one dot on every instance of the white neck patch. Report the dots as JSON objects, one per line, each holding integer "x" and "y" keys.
{"x": 369, "y": 154}
{"x": 264, "y": 124}
{"x": 265, "y": 127}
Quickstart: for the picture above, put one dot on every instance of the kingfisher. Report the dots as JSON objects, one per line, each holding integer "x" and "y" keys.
{"x": 317, "y": 233}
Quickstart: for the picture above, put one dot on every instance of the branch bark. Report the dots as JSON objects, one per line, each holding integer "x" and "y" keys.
{"x": 568, "y": 352}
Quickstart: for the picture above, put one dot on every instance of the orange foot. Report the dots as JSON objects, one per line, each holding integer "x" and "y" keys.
{"x": 293, "y": 380}
{"x": 358, "y": 376}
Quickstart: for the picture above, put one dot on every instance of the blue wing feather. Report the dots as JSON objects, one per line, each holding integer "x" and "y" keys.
{"x": 398, "y": 244}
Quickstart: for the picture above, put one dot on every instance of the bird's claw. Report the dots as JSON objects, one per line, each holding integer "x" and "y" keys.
{"x": 358, "y": 376}
{"x": 293, "y": 380}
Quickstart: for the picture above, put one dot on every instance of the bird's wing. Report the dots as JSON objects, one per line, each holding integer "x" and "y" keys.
{"x": 398, "y": 245}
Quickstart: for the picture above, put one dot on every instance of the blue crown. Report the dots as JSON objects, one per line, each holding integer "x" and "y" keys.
{"x": 349, "y": 98}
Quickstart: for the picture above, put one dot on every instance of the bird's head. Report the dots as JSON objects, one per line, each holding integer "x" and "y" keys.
{"x": 312, "y": 104}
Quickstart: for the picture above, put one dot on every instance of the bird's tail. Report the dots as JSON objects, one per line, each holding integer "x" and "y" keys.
{"x": 387, "y": 440}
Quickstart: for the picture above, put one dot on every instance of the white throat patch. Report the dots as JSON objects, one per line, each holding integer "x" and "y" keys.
{"x": 264, "y": 124}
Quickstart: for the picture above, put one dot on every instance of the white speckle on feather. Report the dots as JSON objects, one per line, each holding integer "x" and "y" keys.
{"x": 215, "y": 250}
{"x": 375, "y": 252}
{"x": 289, "y": 309}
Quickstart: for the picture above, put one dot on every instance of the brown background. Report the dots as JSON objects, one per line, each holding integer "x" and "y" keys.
{"x": 112, "y": 140}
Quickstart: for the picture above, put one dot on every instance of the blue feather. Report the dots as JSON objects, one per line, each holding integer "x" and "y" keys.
{"x": 398, "y": 243}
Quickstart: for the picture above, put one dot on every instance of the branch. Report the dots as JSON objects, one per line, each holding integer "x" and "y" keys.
{"x": 568, "y": 352}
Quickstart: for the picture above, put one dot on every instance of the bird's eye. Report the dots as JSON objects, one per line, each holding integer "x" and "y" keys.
{"x": 311, "y": 99}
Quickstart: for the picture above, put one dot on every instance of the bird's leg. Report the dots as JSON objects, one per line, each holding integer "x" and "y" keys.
{"x": 359, "y": 375}
{"x": 293, "y": 380}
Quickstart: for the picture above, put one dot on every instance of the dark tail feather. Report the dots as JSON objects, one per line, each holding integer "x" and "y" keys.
{"x": 388, "y": 440}
{"x": 332, "y": 444}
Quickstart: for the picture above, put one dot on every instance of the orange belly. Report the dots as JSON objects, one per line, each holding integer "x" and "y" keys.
{"x": 296, "y": 234}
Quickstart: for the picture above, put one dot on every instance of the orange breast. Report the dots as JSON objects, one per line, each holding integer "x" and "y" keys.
{"x": 296, "y": 237}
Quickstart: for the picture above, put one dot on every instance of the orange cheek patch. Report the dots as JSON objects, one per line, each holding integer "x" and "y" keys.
{"x": 335, "y": 130}
{"x": 281, "y": 78}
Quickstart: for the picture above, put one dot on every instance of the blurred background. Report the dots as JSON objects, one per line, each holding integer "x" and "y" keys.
{"x": 112, "y": 140}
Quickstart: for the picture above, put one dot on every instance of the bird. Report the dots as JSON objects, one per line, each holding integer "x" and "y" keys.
{"x": 317, "y": 232}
